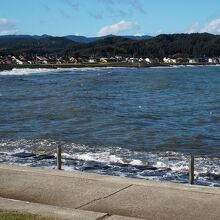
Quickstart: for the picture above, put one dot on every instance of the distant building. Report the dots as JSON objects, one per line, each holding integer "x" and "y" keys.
{"x": 41, "y": 60}
{"x": 148, "y": 60}
{"x": 72, "y": 60}
{"x": 169, "y": 60}
{"x": 133, "y": 60}
{"x": 182, "y": 60}
{"x": 103, "y": 60}
{"x": 141, "y": 60}
{"x": 119, "y": 58}
{"x": 213, "y": 60}
{"x": 194, "y": 60}
{"x": 91, "y": 60}
{"x": 17, "y": 61}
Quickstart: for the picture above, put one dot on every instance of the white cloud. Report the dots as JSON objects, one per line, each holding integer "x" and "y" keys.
{"x": 78, "y": 34}
{"x": 8, "y": 32}
{"x": 7, "y": 26}
{"x": 193, "y": 28}
{"x": 5, "y": 21}
{"x": 158, "y": 32}
{"x": 138, "y": 35}
{"x": 120, "y": 27}
{"x": 212, "y": 27}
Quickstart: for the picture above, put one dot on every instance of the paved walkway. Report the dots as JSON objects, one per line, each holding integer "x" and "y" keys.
{"x": 109, "y": 195}
{"x": 55, "y": 211}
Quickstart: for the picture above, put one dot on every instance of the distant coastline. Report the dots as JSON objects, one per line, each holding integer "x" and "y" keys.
{"x": 91, "y": 65}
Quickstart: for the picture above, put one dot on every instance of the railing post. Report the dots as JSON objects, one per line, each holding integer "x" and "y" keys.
{"x": 191, "y": 170}
{"x": 59, "y": 162}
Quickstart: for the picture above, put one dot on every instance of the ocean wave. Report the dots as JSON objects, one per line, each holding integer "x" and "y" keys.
{"x": 163, "y": 166}
{"x": 29, "y": 71}
{"x": 184, "y": 66}
{"x": 168, "y": 67}
{"x": 20, "y": 72}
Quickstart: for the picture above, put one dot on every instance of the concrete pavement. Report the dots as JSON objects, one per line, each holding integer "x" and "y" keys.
{"x": 55, "y": 211}
{"x": 48, "y": 210}
{"x": 109, "y": 195}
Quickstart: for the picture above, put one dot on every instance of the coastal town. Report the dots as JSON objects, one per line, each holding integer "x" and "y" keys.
{"x": 57, "y": 60}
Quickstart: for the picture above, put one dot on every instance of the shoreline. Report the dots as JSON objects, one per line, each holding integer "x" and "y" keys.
{"x": 94, "y": 65}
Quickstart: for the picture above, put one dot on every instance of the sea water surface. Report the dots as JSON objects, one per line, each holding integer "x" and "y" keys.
{"x": 133, "y": 122}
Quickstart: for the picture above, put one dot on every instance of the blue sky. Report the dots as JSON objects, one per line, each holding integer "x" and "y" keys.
{"x": 103, "y": 17}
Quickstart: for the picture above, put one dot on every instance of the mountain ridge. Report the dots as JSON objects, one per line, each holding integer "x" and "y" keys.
{"x": 75, "y": 38}
{"x": 164, "y": 45}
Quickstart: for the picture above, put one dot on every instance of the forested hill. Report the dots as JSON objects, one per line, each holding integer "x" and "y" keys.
{"x": 172, "y": 45}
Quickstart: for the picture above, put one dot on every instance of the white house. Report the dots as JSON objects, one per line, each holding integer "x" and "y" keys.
{"x": 193, "y": 61}
{"x": 168, "y": 60}
{"x": 147, "y": 60}
{"x": 73, "y": 60}
{"x": 17, "y": 61}
{"x": 119, "y": 58}
{"x": 91, "y": 60}
{"x": 213, "y": 60}
{"x": 103, "y": 60}
{"x": 140, "y": 60}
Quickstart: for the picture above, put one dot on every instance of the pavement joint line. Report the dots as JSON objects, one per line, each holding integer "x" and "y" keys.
{"x": 50, "y": 209}
{"x": 26, "y": 188}
{"x": 104, "y": 217}
{"x": 105, "y": 197}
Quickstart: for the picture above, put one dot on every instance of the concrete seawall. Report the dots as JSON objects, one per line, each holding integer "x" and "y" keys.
{"x": 107, "y": 194}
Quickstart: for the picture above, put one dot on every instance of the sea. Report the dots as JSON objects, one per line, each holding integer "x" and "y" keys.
{"x": 130, "y": 122}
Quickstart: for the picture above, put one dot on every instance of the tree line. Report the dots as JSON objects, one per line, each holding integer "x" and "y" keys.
{"x": 165, "y": 45}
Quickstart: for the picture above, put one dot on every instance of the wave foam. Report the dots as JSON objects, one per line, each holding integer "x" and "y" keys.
{"x": 169, "y": 166}
{"x": 29, "y": 71}
{"x": 20, "y": 72}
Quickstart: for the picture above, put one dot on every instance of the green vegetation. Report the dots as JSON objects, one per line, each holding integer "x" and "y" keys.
{"x": 175, "y": 45}
{"x": 166, "y": 45}
{"x": 19, "y": 216}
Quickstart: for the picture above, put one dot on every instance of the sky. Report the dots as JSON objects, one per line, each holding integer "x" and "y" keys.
{"x": 104, "y": 17}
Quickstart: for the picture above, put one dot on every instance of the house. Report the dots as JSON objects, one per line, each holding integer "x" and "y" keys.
{"x": 119, "y": 58}
{"x": 60, "y": 60}
{"x": 91, "y": 60}
{"x": 182, "y": 60}
{"x": 17, "y": 61}
{"x": 193, "y": 60}
{"x": 113, "y": 59}
{"x": 148, "y": 60}
{"x": 103, "y": 60}
{"x": 72, "y": 60}
{"x": 213, "y": 60}
{"x": 169, "y": 60}
{"x": 166, "y": 60}
{"x": 41, "y": 60}
{"x": 21, "y": 58}
{"x": 140, "y": 60}
{"x": 133, "y": 60}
